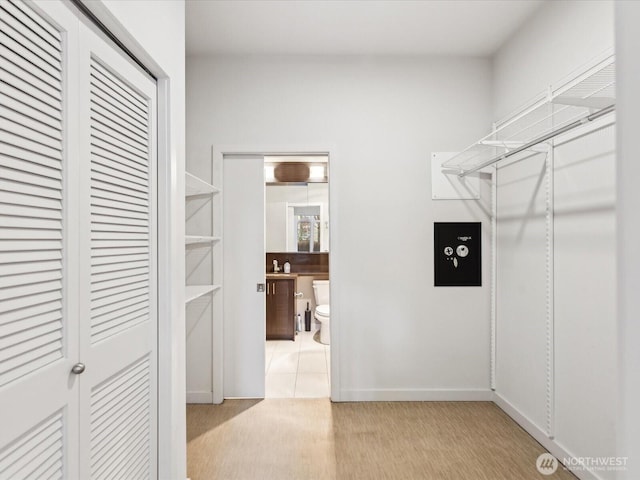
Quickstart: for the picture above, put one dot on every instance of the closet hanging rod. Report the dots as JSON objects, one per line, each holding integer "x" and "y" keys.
{"x": 582, "y": 121}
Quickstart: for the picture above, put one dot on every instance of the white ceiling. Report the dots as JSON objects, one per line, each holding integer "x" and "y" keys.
{"x": 353, "y": 27}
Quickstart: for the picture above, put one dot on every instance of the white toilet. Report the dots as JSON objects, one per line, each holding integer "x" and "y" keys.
{"x": 321, "y": 314}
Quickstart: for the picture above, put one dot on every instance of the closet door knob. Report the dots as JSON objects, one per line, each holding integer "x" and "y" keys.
{"x": 78, "y": 368}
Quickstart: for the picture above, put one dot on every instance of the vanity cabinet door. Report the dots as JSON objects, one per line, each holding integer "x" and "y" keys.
{"x": 280, "y": 309}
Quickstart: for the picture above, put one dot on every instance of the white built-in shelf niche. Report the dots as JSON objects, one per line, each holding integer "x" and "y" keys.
{"x": 197, "y": 189}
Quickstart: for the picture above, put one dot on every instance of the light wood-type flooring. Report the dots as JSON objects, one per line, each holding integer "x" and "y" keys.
{"x": 315, "y": 439}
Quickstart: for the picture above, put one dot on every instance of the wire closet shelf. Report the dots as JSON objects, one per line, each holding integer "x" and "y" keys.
{"x": 581, "y": 100}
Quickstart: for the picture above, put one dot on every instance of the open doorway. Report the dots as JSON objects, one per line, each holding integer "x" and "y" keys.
{"x": 297, "y": 344}
{"x": 248, "y": 350}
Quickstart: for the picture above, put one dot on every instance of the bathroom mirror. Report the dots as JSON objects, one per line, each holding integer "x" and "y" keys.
{"x": 297, "y": 217}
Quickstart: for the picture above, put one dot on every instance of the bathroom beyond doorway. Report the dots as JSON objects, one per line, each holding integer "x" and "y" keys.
{"x": 296, "y": 266}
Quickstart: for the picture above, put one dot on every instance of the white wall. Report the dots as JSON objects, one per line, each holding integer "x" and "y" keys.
{"x": 560, "y": 37}
{"x": 628, "y": 61}
{"x": 154, "y": 30}
{"x": 399, "y": 337}
{"x": 579, "y": 408}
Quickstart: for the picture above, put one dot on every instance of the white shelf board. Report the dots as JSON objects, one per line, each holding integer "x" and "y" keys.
{"x": 195, "y": 239}
{"x": 196, "y": 186}
{"x": 589, "y": 92}
{"x": 192, "y": 292}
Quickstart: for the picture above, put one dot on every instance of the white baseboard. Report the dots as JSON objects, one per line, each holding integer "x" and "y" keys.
{"x": 427, "y": 395}
{"x": 541, "y": 437}
{"x": 199, "y": 397}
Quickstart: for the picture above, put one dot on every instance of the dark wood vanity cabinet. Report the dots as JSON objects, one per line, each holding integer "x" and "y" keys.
{"x": 281, "y": 323}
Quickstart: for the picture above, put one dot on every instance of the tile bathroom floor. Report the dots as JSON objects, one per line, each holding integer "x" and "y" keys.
{"x": 298, "y": 369}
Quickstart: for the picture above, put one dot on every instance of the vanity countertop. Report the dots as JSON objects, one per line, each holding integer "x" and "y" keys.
{"x": 276, "y": 276}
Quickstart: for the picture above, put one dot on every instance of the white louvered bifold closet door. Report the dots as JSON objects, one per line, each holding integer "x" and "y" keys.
{"x": 118, "y": 392}
{"x": 77, "y": 252}
{"x": 38, "y": 295}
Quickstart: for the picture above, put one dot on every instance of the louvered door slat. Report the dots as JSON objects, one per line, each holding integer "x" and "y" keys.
{"x": 9, "y": 294}
{"x": 107, "y": 116}
{"x": 28, "y": 363}
{"x": 106, "y": 173}
{"x": 30, "y": 223}
{"x": 114, "y": 318}
{"x": 32, "y": 145}
{"x": 36, "y": 135}
{"x": 123, "y": 139}
{"x": 45, "y": 84}
{"x": 101, "y": 314}
{"x": 101, "y": 72}
{"x": 14, "y": 356}
{"x": 125, "y": 120}
{"x": 115, "y": 149}
{"x": 30, "y": 245}
{"x": 130, "y": 278}
{"x": 31, "y": 277}
{"x": 36, "y": 60}
{"x": 22, "y": 84}
{"x": 119, "y": 443}
{"x": 119, "y": 298}
{"x": 16, "y": 31}
{"x": 18, "y": 366}
{"x": 16, "y": 103}
{"x": 113, "y": 220}
{"x": 44, "y": 107}
{"x": 116, "y": 164}
{"x": 30, "y": 189}
{"x": 34, "y": 22}
{"x": 25, "y": 302}
{"x": 28, "y": 177}
{"x": 12, "y": 260}
{"x": 20, "y": 199}
{"x": 26, "y": 314}
{"x": 122, "y": 108}
{"x": 24, "y": 458}
{"x": 119, "y": 258}
{"x": 103, "y": 408}
{"x": 112, "y": 207}
{"x": 30, "y": 322}
{"x": 101, "y": 103}
{"x": 120, "y": 324}
{"x": 126, "y": 395}
{"x": 98, "y": 294}
{"x": 113, "y": 184}
{"x": 15, "y": 151}
{"x": 30, "y": 338}
{"x": 22, "y": 63}
{"x": 23, "y": 117}
{"x": 98, "y": 116}
{"x": 115, "y": 265}
{"x": 107, "y": 90}
{"x": 100, "y": 253}
{"x": 30, "y": 266}
{"x": 27, "y": 234}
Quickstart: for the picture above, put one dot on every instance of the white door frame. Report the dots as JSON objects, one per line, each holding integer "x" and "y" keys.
{"x": 218, "y": 153}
